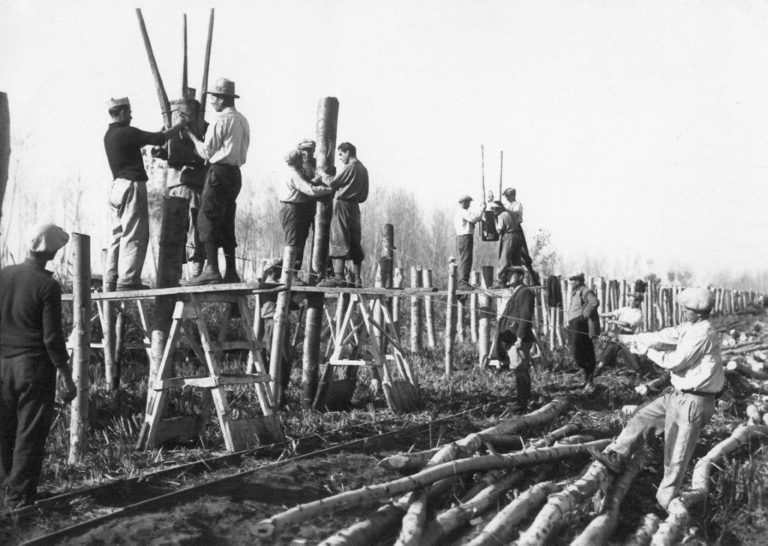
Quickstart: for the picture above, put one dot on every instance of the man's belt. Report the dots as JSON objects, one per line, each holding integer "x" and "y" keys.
{"x": 224, "y": 166}
{"x": 698, "y": 393}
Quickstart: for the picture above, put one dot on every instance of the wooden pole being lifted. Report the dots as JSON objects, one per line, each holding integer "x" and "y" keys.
{"x": 162, "y": 97}
{"x": 206, "y": 65}
{"x": 327, "y": 123}
{"x": 81, "y": 343}
{"x": 184, "y": 77}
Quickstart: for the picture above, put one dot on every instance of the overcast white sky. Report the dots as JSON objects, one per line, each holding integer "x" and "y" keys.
{"x": 631, "y": 129}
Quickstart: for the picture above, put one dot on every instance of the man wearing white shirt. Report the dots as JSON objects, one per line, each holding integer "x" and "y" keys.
{"x": 464, "y": 220}
{"x": 626, "y": 320}
{"x": 225, "y": 148}
{"x": 696, "y": 374}
{"x": 520, "y": 254}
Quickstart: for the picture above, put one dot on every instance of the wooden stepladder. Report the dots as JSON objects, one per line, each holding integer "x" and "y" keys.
{"x": 401, "y": 392}
{"x": 238, "y": 433}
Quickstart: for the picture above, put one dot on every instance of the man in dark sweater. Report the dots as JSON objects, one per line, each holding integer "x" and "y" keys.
{"x": 129, "y": 210}
{"x": 515, "y": 338}
{"x": 351, "y": 185}
{"x": 32, "y": 348}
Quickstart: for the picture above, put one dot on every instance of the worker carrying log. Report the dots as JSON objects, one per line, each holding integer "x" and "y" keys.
{"x": 583, "y": 327}
{"x": 297, "y": 213}
{"x": 513, "y": 248}
{"x": 351, "y": 187}
{"x": 515, "y": 334}
{"x": 682, "y": 411}
{"x": 625, "y": 320}
{"x": 32, "y": 349}
{"x": 225, "y": 148}
{"x": 129, "y": 211}
{"x": 464, "y": 220}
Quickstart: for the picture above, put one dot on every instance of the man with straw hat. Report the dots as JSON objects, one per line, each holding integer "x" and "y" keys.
{"x": 128, "y": 196}
{"x": 32, "y": 348}
{"x": 697, "y": 377}
{"x": 225, "y": 148}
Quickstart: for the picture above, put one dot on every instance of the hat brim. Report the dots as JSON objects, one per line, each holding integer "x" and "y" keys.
{"x": 224, "y": 95}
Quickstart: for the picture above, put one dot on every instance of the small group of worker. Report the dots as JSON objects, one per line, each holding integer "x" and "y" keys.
{"x": 507, "y": 226}
{"x": 211, "y": 182}
{"x": 348, "y": 188}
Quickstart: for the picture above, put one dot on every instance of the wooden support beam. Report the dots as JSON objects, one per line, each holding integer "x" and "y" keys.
{"x": 81, "y": 333}
{"x": 397, "y": 282}
{"x": 450, "y": 317}
{"x": 473, "y": 308}
{"x": 416, "y": 305}
{"x": 429, "y": 312}
{"x": 311, "y": 354}
{"x": 281, "y": 326}
{"x": 5, "y": 150}
{"x": 485, "y": 312}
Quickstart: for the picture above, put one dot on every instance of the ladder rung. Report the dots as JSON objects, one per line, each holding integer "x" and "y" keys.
{"x": 345, "y": 362}
{"x": 238, "y": 345}
{"x": 210, "y": 382}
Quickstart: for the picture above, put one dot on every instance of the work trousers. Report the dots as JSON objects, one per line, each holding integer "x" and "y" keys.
{"x": 464, "y": 248}
{"x": 296, "y": 219}
{"x": 27, "y": 392}
{"x": 218, "y": 205}
{"x": 346, "y": 232}
{"x": 512, "y": 251}
{"x": 129, "y": 216}
{"x": 682, "y": 416}
{"x": 520, "y": 364}
{"x": 194, "y": 251}
{"x": 581, "y": 345}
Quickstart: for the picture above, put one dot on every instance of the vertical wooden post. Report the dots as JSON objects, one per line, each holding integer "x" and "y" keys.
{"x": 311, "y": 356}
{"x": 397, "y": 282}
{"x": 485, "y": 312}
{"x": 282, "y": 312}
{"x": 81, "y": 342}
{"x": 459, "y": 320}
{"x": 429, "y": 314}
{"x": 5, "y": 150}
{"x": 416, "y": 337}
{"x": 111, "y": 372}
{"x": 450, "y": 317}
{"x": 327, "y": 122}
{"x": 473, "y": 308}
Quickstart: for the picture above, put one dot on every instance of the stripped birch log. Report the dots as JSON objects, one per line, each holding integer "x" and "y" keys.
{"x": 603, "y": 526}
{"x": 355, "y": 498}
{"x": 471, "y": 443}
{"x": 557, "y": 434}
{"x": 413, "y": 522}
{"x": 575, "y": 439}
{"x": 642, "y": 536}
{"x": 384, "y": 522}
{"x": 502, "y": 528}
{"x": 679, "y": 509}
{"x": 457, "y": 517}
{"x": 562, "y": 506}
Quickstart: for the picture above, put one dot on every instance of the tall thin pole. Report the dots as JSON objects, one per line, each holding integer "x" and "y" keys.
{"x": 501, "y": 171}
{"x": 450, "y": 318}
{"x": 206, "y": 65}
{"x": 184, "y": 78}
{"x": 5, "y": 148}
{"x": 162, "y": 97}
{"x": 81, "y": 342}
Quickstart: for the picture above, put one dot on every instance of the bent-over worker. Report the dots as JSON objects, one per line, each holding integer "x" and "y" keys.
{"x": 696, "y": 374}
{"x": 32, "y": 348}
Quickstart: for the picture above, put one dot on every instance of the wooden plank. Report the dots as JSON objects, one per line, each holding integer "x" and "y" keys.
{"x": 230, "y": 288}
{"x": 210, "y": 382}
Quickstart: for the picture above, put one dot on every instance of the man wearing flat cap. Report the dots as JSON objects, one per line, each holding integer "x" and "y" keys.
{"x": 308, "y": 161}
{"x": 297, "y": 212}
{"x": 225, "y": 148}
{"x": 464, "y": 220}
{"x": 583, "y": 327}
{"x": 519, "y": 254}
{"x": 351, "y": 187}
{"x": 128, "y": 196}
{"x": 515, "y": 336}
{"x": 32, "y": 348}
{"x": 697, "y": 377}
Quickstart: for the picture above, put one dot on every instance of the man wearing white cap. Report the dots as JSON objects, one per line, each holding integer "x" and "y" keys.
{"x": 464, "y": 220}
{"x": 225, "y": 148}
{"x": 696, "y": 373}
{"x": 32, "y": 348}
{"x": 128, "y": 195}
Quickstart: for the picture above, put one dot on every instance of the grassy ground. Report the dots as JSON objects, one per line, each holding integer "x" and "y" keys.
{"x": 737, "y": 511}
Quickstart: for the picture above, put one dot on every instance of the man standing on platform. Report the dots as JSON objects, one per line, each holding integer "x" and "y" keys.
{"x": 505, "y": 224}
{"x": 464, "y": 223}
{"x": 308, "y": 161}
{"x": 298, "y": 210}
{"x": 128, "y": 196}
{"x": 351, "y": 186}
{"x": 681, "y": 412}
{"x": 583, "y": 326}
{"x": 519, "y": 254}
{"x": 32, "y": 348}
{"x": 515, "y": 337}
{"x": 225, "y": 148}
